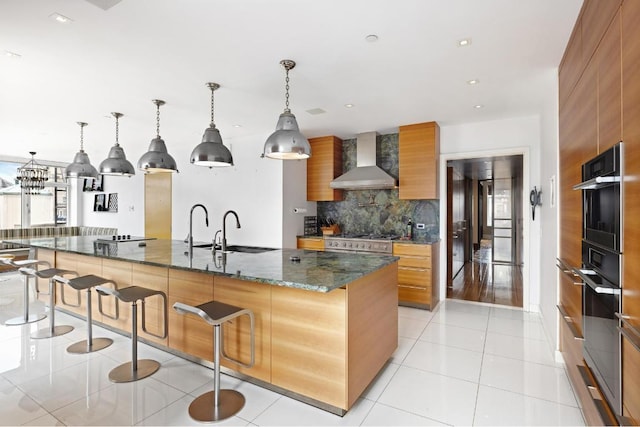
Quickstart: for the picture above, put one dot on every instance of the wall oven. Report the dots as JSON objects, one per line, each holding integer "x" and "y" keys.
{"x": 600, "y": 272}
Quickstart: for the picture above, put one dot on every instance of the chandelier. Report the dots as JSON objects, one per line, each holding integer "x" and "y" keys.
{"x": 32, "y": 176}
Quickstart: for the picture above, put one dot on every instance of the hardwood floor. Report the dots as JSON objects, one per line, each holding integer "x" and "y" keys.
{"x": 483, "y": 281}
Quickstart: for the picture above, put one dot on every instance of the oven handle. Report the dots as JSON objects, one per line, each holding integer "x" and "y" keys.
{"x": 630, "y": 332}
{"x": 593, "y": 285}
{"x": 564, "y": 267}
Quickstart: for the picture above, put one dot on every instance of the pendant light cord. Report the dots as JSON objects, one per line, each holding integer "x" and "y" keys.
{"x": 82, "y": 125}
{"x": 117, "y": 130}
{"x": 286, "y": 96}
{"x": 158, "y": 120}
{"x": 212, "y": 122}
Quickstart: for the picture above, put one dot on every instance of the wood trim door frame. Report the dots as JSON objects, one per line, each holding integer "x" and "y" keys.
{"x": 526, "y": 183}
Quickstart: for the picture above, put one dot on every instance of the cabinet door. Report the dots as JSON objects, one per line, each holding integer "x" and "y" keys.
{"x": 419, "y": 150}
{"x": 631, "y": 249}
{"x": 323, "y": 166}
{"x": 609, "y": 87}
{"x": 596, "y": 16}
{"x": 572, "y": 64}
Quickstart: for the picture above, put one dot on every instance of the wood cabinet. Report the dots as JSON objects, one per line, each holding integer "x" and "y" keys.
{"x": 311, "y": 243}
{"x": 609, "y": 86}
{"x": 324, "y": 165}
{"x": 630, "y": 18}
{"x": 417, "y": 274}
{"x": 418, "y": 159}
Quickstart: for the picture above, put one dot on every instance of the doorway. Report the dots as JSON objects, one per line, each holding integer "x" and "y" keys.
{"x": 484, "y": 230}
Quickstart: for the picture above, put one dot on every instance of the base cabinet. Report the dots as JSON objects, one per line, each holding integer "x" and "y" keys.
{"x": 417, "y": 274}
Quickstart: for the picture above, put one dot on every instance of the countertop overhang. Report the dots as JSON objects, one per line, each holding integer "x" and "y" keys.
{"x": 315, "y": 271}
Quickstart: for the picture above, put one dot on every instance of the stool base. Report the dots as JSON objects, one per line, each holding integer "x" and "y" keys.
{"x": 202, "y": 408}
{"x": 81, "y": 346}
{"x": 47, "y": 333}
{"x": 22, "y": 321}
{"x": 124, "y": 374}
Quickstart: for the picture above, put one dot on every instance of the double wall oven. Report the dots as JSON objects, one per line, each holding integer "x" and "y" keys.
{"x": 600, "y": 272}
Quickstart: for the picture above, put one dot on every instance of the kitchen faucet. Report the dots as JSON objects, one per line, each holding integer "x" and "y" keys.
{"x": 224, "y": 228}
{"x": 190, "y": 236}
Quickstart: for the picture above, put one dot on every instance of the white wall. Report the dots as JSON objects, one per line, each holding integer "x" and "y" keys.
{"x": 549, "y": 249}
{"x": 252, "y": 188}
{"x": 294, "y": 195}
{"x": 508, "y": 136}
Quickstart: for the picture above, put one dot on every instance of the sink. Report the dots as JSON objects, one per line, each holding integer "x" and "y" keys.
{"x": 203, "y": 245}
{"x": 248, "y": 249}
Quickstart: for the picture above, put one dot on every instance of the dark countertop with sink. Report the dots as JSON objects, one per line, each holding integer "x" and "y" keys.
{"x": 316, "y": 271}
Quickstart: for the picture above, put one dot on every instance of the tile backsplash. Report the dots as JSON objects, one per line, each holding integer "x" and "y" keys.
{"x": 380, "y": 211}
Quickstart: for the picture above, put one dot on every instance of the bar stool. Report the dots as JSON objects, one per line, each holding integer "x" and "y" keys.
{"x": 218, "y": 404}
{"x": 136, "y": 369}
{"x": 49, "y": 273}
{"x": 26, "y": 317}
{"x": 86, "y": 283}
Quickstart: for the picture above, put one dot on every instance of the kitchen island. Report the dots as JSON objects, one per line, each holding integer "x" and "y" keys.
{"x": 325, "y": 324}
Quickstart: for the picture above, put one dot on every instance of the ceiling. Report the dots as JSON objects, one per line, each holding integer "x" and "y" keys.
{"x": 119, "y": 55}
{"x": 496, "y": 167}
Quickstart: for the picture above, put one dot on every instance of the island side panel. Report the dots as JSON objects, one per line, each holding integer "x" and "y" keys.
{"x": 372, "y": 327}
{"x": 237, "y": 340}
{"x": 120, "y": 272}
{"x": 156, "y": 278}
{"x": 189, "y": 333}
{"x": 308, "y": 338}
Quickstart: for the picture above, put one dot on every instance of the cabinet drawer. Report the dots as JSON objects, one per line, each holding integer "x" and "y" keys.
{"x": 400, "y": 249}
{"x": 414, "y": 261}
{"x": 414, "y": 295}
{"x": 414, "y": 276}
{"x": 315, "y": 244}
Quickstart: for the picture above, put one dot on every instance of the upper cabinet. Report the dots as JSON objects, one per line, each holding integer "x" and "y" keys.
{"x": 419, "y": 150}
{"x": 324, "y": 165}
{"x": 609, "y": 86}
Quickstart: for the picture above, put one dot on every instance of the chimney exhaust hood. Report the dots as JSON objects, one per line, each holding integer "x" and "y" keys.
{"x": 366, "y": 175}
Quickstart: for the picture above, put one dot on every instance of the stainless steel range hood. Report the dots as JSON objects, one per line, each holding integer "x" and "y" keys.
{"x": 366, "y": 176}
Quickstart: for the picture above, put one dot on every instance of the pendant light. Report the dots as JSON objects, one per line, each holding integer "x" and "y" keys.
{"x": 211, "y": 152}
{"x": 287, "y": 143}
{"x": 32, "y": 176}
{"x": 157, "y": 159}
{"x": 81, "y": 166}
{"x": 116, "y": 162}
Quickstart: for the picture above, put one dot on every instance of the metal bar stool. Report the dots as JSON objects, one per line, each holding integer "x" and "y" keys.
{"x": 136, "y": 369}
{"x": 86, "y": 283}
{"x": 26, "y": 317}
{"x": 49, "y": 273}
{"x": 218, "y": 404}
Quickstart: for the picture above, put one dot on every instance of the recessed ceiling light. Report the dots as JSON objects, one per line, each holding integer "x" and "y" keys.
{"x": 464, "y": 42}
{"x": 60, "y": 18}
{"x": 348, "y": 105}
{"x": 473, "y": 81}
{"x": 478, "y": 106}
{"x": 371, "y": 38}
{"x": 315, "y": 111}
{"x": 12, "y": 54}
{"x": 237, "y": 126}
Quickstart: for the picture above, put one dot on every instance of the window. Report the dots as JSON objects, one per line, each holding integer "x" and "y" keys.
{"x": 18, "y": 210}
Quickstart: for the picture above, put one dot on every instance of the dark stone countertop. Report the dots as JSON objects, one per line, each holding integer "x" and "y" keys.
{"x": 316, "y": 271}
{"x": 417, "y": 241}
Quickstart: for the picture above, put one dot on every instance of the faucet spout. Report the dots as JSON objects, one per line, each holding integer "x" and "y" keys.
{"x": 206, "y": 221}
{"x": 224, "y": 228}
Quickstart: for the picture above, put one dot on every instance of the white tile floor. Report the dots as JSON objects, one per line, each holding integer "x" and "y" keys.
{"x": 464, "y": 364}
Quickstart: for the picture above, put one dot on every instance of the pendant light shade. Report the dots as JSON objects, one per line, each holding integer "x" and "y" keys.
{"x": 211, "y": 152}
{"x": 116, "y": 163}
{"x": 81, "y": 166}
{"x": 157, "y": 159}
{"x": 287, "y": 143}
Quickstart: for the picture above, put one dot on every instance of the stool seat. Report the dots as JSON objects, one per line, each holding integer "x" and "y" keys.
{"x": 47, "y": 273}
{"x": 85, "y": 282}
{"x": 218, "y": 404}
{"x": 133, "y": 293}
